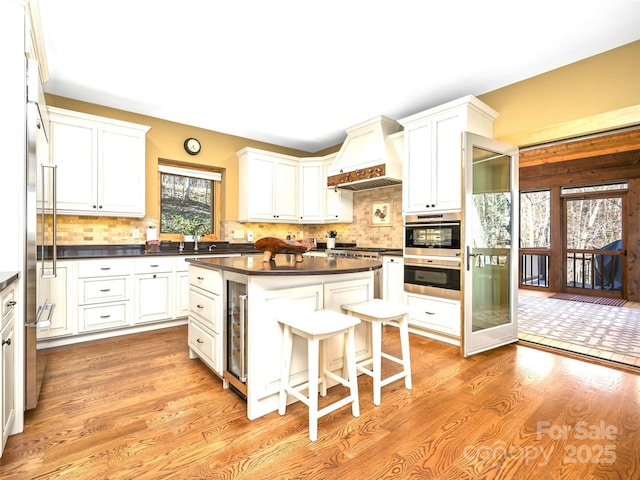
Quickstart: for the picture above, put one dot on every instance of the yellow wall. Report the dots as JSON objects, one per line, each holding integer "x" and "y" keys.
{"x": 599, "y": 84}
{"x": 602, "y": 83}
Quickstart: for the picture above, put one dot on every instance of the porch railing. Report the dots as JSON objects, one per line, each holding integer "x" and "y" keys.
{"x": 594, "y": 270}
{"x": 534, "y": 267}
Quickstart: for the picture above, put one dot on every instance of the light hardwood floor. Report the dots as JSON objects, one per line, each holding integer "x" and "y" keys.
{"x": 137, "y": 407}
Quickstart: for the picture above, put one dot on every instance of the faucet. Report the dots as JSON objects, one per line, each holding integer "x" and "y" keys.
{"x": 212, "y": 246}
{"x": 196, "y": 237}
{"x": 181, "y": 246}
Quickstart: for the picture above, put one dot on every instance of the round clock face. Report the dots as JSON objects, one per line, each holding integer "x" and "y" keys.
{"x": 192, "y": 146}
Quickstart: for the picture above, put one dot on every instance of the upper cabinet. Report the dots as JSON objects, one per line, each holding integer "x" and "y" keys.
{"x": 311, "y": 199}
{"x": 268, "y": 187}
{"x": 100, "y": 164}
{"x": 338, "y": 202}
{"x": 433, "y": 153}
{"x": 279, "y": 188}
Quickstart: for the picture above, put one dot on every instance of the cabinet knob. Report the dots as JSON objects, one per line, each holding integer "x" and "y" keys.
{"x": 6, "y": 342}
{"x": 200, "y": 278}
{"x": 199, "y": 341}
{"x": 200, "y": 306}
{"x": 155, "y": 276}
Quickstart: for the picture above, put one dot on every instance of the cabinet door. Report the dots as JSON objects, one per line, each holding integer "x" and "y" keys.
{"x": 393, "y": 279}
{"x": 337, "y": 294}
{"x": 446, "y": 172}
{"x": 60, "y": 291}
{"x": 311, "y": 182}
{"x": 418, "y": 182}
{"x": 286, "y": 191}
{"x": 73, "y": 148}
{"x": 7, "y": 382}
{"x": 339, "y": 205}
{"x": 260, "y": 197}
{"x": 121, "y": 171}
{"x": 182, "y": 294}
{"x": 153, "y": 297}
{"x": 265, "y": 336}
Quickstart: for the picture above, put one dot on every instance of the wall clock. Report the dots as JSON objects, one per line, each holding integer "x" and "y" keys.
{"x": 192, "y": 146}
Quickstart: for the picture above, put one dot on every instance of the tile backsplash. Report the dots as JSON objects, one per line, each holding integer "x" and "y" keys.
{"x": 84, "y": 230}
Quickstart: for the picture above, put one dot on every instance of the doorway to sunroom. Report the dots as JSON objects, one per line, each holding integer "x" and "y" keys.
{"x": 583, "y": 259}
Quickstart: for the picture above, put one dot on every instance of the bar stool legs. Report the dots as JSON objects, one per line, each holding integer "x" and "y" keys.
{"x": 316, "y": 327}
{"x": 378, "y": 312}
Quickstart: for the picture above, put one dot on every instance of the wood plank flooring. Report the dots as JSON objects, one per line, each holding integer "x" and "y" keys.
{"x": 137, "y": 407}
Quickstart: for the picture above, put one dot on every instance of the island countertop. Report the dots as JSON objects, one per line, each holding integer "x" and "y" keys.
{"x": 286, "y": 265}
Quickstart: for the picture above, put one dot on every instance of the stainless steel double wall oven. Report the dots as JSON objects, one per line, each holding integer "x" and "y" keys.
{"x": 432, "y": 254}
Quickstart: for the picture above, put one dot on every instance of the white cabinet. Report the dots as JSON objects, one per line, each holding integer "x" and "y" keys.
{"x": 8, "y": 297}
{"x": 434, "y": 314}
{"x": 268, "y": 187}
{"x": 433, "y": 153}
{"x": 311, "y": 199}
{"x": 206, "y": 317}
{"x": 338, "y": 201}
{"x": 61, "y": 294}
{"x": 181, "y": 288}
{"x": 393, "y": 278}
{"x": 104, "y": 294}
{"x": 100, "y": 164}
{"x": 153, "y": 289}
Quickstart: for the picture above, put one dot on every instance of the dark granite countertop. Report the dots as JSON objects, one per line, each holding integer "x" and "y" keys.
{"x": 66, "y": 252}
{"x": 6, "y": 278}
{"x": 286, "y": 265}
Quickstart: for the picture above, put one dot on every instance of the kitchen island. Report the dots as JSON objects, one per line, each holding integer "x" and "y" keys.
{"x": 234, "y": 308}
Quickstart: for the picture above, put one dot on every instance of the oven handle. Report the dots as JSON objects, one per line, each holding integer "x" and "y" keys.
{"x": 431, "y": 265}
{"x": 434, "y": 224}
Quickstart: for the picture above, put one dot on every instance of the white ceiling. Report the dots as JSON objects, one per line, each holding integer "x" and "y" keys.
{"x": 298, "y": 73}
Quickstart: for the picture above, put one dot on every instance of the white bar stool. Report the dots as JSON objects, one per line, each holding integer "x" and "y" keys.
{"x": 379, "y": 312}
{"x": 315, "y": 327}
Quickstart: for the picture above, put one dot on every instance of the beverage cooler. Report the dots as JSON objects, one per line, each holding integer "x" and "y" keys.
{"x": 236, "y": 332}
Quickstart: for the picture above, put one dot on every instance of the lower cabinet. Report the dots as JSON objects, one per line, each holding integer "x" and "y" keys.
{"x": 96, "y": 298}
{"x": 62, "y": 295}
{"x": 206, "y": 318}
{"x": 153, "y": 289}
{"x": 8, "y": 297}
{"x": 393, "y": 278}
{"x": 435, "y": 314}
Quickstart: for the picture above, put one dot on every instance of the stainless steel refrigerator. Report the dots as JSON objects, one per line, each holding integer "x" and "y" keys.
{"x": 40, "y": 235}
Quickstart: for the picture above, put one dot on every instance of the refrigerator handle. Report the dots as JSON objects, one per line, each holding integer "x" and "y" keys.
{"x": 243, "y": 347}
{"x": 54, "y": 210}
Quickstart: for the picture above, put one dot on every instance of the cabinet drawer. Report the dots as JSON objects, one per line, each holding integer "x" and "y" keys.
{"x": 104, "y": 268}
{"x": 103, "y": 290}
{"x": 153, "y": 265}
{"x": 8, "y": 299}
{"x": 434, "y": 313}
{"x": 205, "y": 308}
{"x": 102, "y": 317}
{"x": 210, "y": 280}
{"x": 206, "y": 344}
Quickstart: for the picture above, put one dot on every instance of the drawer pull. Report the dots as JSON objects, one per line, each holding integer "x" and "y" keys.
{"x": 105, "y": 289}
{"x": 105, "y": 316}
{"x": 200, "y": 278}
{"x": 6, "y": 342}
{"x": 12, "y": 303}
{"x": 200, "y": 306}
{"x": 199, "y": 341}
{"x": 105, "y": 268}
{"x": 154, "y": 266}
{"x": 430, "y": 313}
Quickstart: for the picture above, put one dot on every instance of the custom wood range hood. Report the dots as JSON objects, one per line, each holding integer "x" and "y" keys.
{"x": 370, "y": 157}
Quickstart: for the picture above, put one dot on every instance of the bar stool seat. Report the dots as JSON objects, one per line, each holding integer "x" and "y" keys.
{"x": 317, "y": 326}
{"x": 379, "y": 312}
